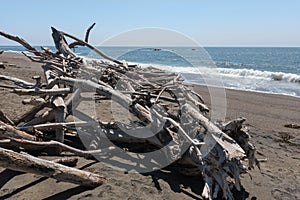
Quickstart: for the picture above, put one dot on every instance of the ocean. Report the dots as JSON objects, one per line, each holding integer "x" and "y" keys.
{"x": 260, "y": 69}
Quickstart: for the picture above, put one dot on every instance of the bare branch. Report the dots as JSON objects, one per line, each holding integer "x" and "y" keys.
{"x": 77, "y": 43}
{"x": 20, "y": 41}
{"x": 91, "y": 47}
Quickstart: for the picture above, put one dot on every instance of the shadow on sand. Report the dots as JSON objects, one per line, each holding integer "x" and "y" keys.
{"x": 191, "y": 186}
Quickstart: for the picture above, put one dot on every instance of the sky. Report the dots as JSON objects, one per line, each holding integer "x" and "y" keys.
{"x": 208, "y": 22}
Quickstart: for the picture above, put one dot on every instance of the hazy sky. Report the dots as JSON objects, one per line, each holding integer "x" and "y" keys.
{"x": 209, "y": 22}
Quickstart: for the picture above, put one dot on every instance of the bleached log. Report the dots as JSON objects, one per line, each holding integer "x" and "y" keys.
{"x": 233, "y": 149}
{"x": 18, "y": 82}
{"x": 53, "y": 125}
{"x": 27, "y": 163}
{"x": 28, "y": 145}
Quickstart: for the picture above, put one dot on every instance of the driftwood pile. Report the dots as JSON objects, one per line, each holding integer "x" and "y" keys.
{"x": 156, "y": 99}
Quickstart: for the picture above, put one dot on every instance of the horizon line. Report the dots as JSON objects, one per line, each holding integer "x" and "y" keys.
{"x": 217, "y": 46}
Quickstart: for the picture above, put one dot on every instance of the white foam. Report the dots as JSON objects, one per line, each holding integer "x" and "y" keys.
{"x": 235, "y": 73}
{"x": 12, "y": 51}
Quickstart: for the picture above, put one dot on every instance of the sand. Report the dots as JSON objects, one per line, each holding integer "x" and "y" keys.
{"x": 266, "y": 115}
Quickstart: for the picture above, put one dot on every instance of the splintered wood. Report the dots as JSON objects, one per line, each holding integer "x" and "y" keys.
{"x": 156, "y": 99}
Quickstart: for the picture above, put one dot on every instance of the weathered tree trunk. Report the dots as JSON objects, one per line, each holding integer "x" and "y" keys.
{"x": 27, "y": 163}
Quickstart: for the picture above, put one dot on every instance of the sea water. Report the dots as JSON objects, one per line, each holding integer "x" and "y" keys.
{"x": 269, "y": 69}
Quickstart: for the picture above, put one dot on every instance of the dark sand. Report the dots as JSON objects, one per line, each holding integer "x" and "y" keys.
{"x": 266, "y": 114}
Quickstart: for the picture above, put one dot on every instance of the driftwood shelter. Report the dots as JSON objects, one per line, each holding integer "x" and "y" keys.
{"x": 165, "y": 116}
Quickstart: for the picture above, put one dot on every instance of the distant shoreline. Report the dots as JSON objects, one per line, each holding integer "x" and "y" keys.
{"x": 204, "y": 46}
{"x": 192, "y": 83}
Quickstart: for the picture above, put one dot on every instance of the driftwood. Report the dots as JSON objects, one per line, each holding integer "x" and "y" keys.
{"x": 58, "y": 102}
{"x": 5, "y": 119}
{"x": 27, "y": 163}
{"x": 8, "y": 131}
{"x": 18, "y": 82}
{"x": 70, "y": 162}
{"x": 42, "y": 92}
{"x": 158, "y": 102}
{"x": 87, "y": 34}
{"x": 20, "y": 41}
{"x": 34, "y": 101}
{"x": 44, "y": 146}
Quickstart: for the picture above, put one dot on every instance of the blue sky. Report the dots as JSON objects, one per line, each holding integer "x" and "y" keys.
{"x": 209, "y": 22}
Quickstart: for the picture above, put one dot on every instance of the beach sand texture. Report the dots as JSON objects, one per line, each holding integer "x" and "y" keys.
{"x": 266, "y": 115}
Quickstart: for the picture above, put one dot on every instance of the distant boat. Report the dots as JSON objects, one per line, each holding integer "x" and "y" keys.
{"x": 156, "y": 49}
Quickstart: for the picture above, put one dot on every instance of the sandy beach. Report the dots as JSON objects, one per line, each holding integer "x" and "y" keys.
{"x": 266, "y": 116}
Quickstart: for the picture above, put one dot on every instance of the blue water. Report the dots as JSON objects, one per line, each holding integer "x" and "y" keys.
{"x": 271, "y": 70}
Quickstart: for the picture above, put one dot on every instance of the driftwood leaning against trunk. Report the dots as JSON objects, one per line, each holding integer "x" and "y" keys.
{"x": 173, "y": 113}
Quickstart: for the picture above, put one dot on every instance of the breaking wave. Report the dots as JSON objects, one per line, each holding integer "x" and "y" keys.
{"x": 235, "y": 73}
